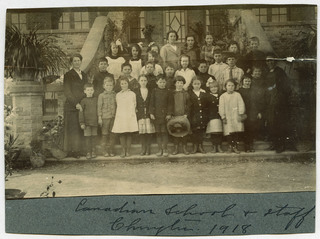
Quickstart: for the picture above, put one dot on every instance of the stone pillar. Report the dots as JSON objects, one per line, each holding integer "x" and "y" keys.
{"x": 27, "y": 99}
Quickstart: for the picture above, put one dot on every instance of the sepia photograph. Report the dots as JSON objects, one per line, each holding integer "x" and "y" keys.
{"x": 176, "y": 100}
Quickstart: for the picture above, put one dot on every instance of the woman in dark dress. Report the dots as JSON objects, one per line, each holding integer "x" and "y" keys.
{"x": 74, "y": 81}
{"x": 277, "y": 96}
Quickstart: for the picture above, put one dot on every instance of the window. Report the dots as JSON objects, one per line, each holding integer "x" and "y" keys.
{"x": 74, "y": 20}
{"x": 217, "y": 22}
{"x": 261, "y": 14}
{"x": 175, "y": 20}
{"x": 136, "y": 26}
{"x": 19, "y": 20}
{"x": 81, "y": 20}
{"x": 279, "y": 14}
{"x": 274, "y": 14}
{"x": 50, "y": 103}
{"x": 64, "y": 22}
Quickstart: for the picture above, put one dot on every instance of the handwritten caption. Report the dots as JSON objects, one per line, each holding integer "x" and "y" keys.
{"x": 192, "y": 219}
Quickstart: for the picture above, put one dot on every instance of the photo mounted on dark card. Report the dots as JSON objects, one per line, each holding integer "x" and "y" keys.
{"x": 161, "y": 121}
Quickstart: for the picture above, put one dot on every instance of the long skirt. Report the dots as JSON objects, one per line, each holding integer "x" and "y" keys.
{"x": 73, "y": 134}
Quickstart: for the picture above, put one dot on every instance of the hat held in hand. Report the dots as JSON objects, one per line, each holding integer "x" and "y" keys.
{"x": 178, "y": 126}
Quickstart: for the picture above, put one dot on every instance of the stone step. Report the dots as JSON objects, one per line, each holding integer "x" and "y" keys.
{"x": 260, "y": 154}
{"x": 136, "y": 148}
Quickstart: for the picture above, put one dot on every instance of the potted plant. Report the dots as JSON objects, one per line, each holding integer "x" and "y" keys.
{"x": 52, "y": 134}
{"x": 28, "y": 56}
{"x": 37, "y": 158}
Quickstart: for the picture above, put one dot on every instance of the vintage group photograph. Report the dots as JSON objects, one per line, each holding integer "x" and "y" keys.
{"x": 161, "y": 100}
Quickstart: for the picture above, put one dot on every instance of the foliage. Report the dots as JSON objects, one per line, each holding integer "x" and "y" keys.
{"x": 199, "y": 30}
{"x": 50, "y": 189}
{"x": 11, "y": 151}
{"x": 29, "y": 54}
{"x": 11, "y": 154}
{"x": 53, "y": 132}
{"x": 305, "y": 44}
{"x": 111, "y": 32}
{"x": 147, "y": 32}
{"x": 222, "y": 30}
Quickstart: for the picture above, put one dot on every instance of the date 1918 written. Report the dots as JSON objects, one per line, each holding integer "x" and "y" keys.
{"x": 229, "y": 229}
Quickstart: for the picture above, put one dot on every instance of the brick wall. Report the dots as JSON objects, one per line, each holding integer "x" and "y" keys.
{"x": 70, "y": 41}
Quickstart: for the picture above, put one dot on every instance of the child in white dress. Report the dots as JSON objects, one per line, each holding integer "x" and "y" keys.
{"x": 232, "y": 112}
{"x": 125, "y": 122}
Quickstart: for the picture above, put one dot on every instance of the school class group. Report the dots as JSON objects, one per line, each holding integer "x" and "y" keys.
{"x": 179, "y": 94}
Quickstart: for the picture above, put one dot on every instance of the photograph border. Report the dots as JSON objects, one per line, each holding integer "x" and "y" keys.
{"x": 68, "y": 3}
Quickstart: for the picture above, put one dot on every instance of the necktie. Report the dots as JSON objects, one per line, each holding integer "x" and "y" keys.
{"x": 230, "y": 74}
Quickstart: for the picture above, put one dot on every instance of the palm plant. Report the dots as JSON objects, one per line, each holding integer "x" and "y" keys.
{"x": 29, "y": 56}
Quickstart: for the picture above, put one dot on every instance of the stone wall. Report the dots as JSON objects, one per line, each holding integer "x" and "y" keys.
{"x": 27, "y": 104}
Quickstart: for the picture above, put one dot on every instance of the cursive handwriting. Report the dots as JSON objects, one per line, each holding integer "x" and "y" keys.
{"x": 122, "y": 209}
{"x": 190, "y": 211}
{"x": 296, "y": 213}
{"x": 134, "y": 225}
{"x": 193, "y": 218}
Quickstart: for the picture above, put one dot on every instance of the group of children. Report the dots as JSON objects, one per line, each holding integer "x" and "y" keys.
{"x": 216, "y": 98}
